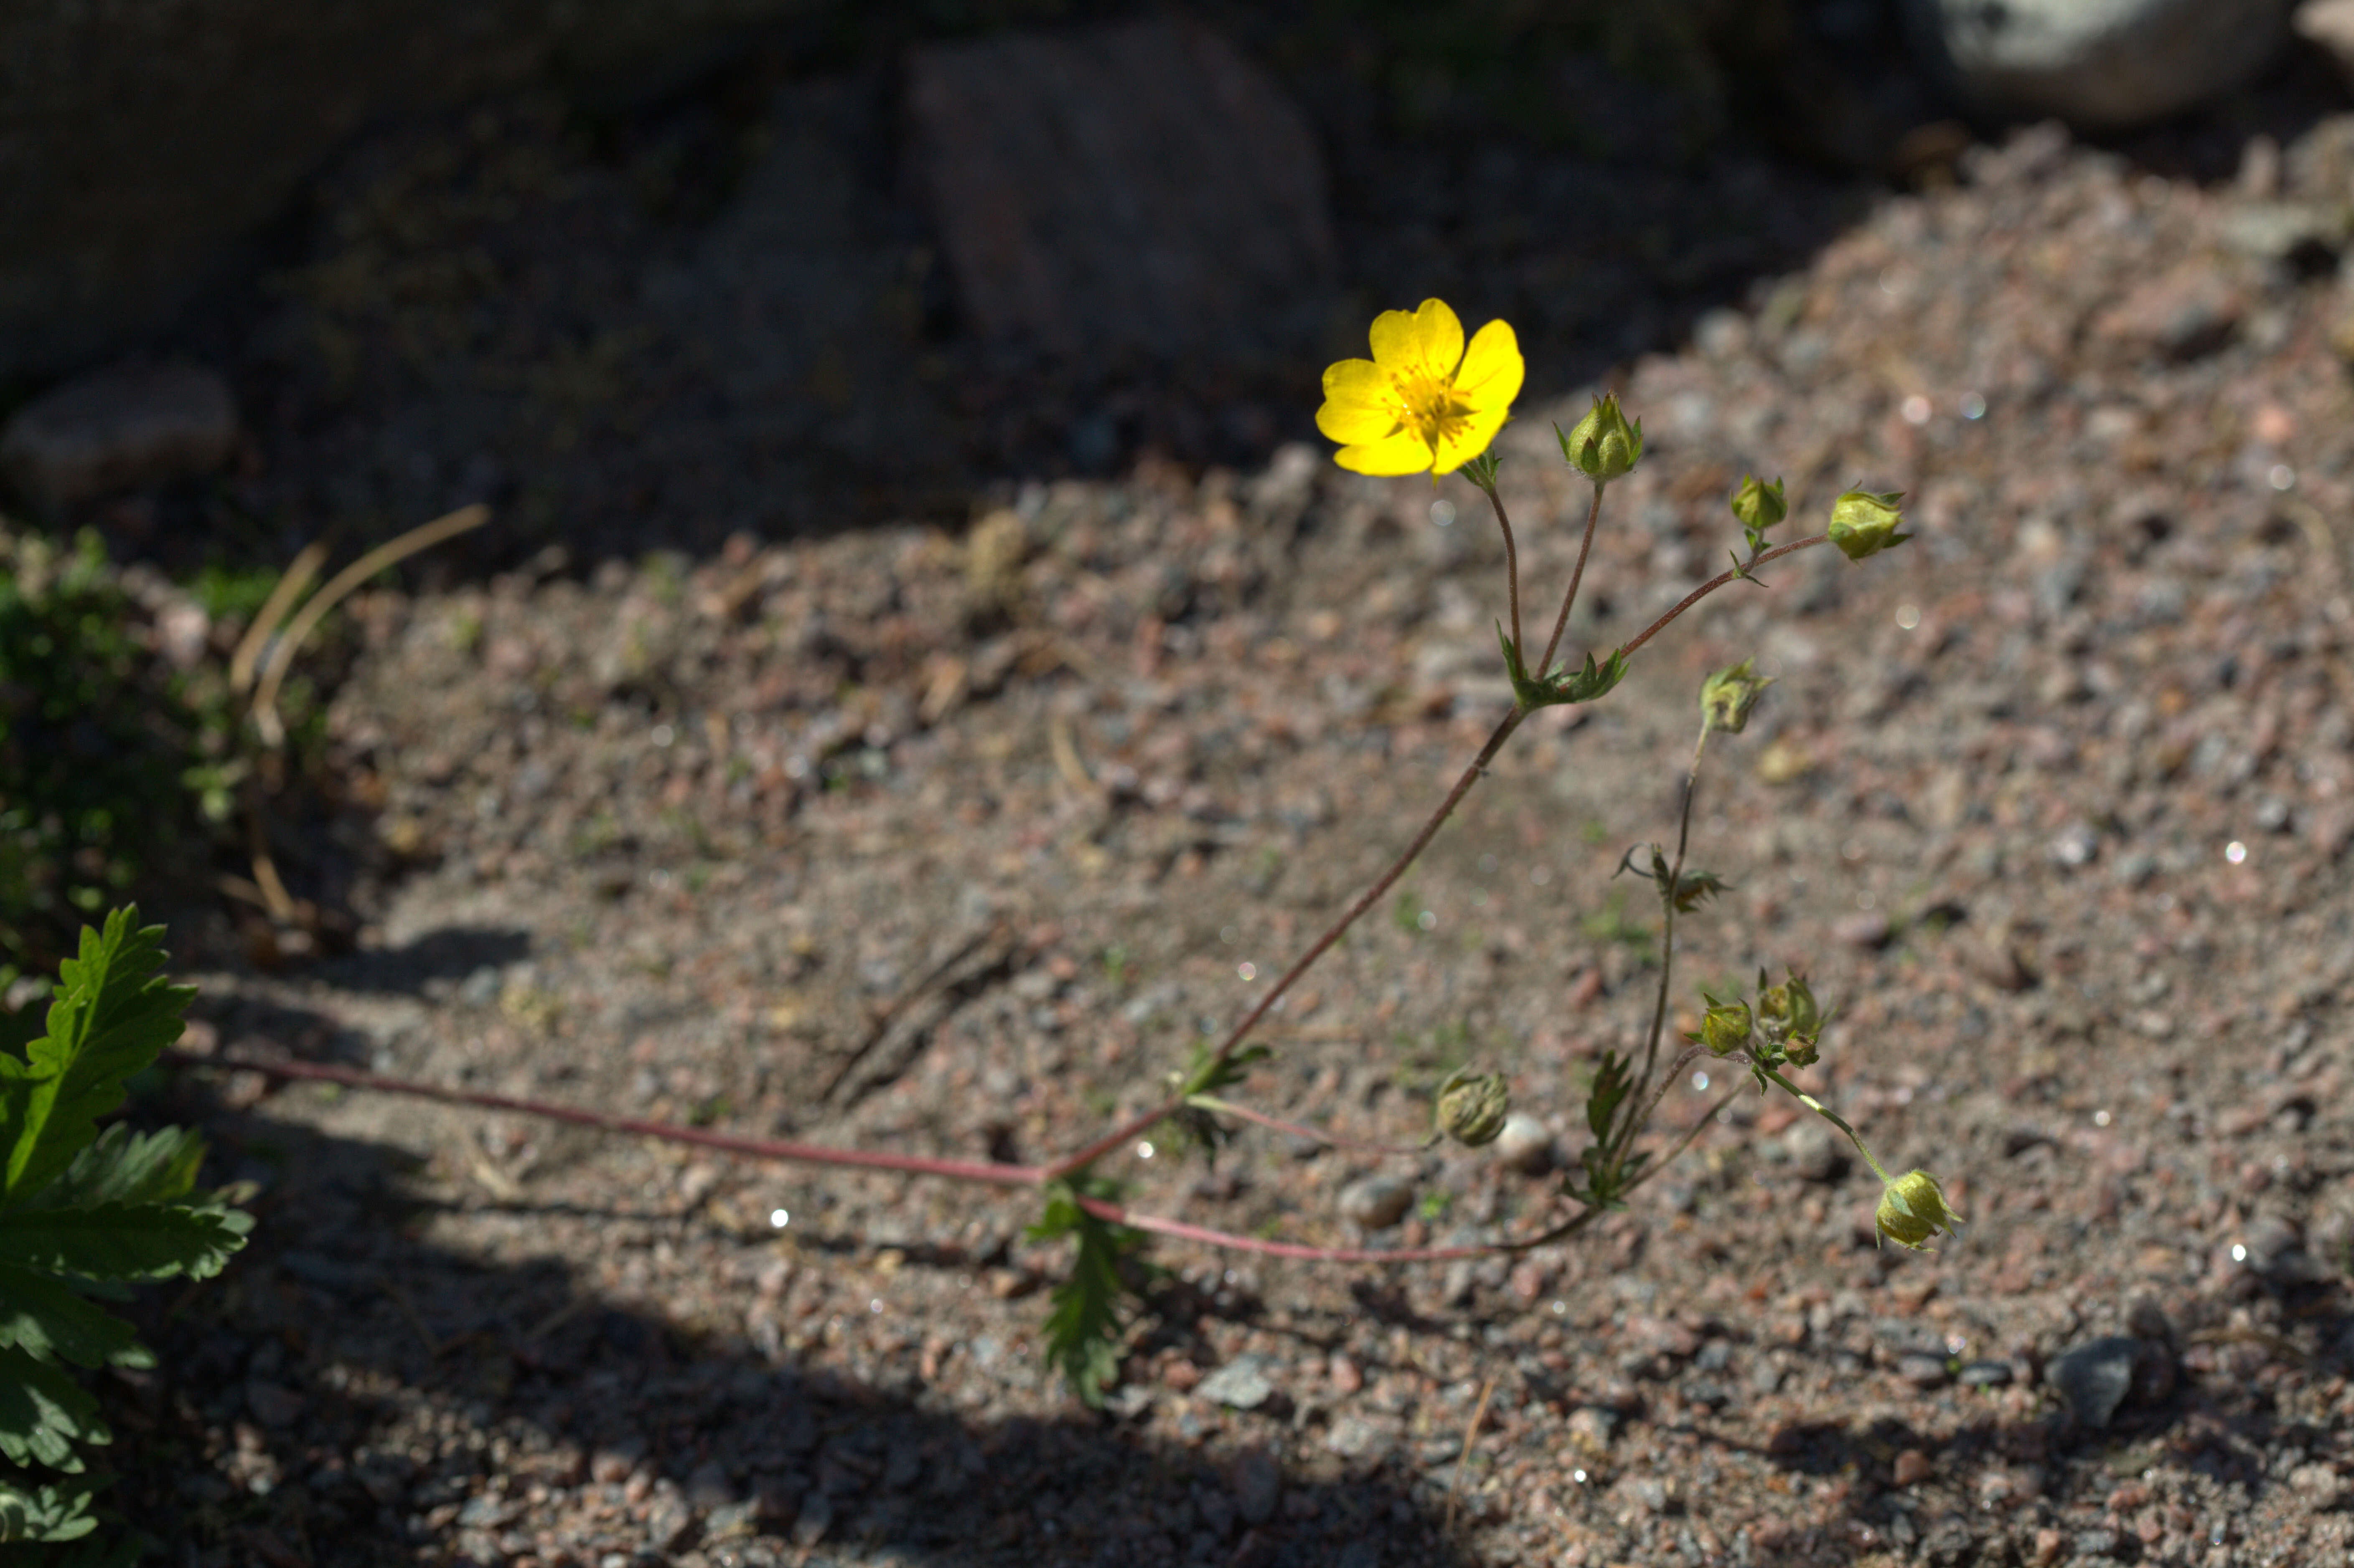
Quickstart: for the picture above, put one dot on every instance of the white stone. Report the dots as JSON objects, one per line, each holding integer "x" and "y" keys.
{"x": 2330, "y": 24}
{"x": 2097, "y": 64}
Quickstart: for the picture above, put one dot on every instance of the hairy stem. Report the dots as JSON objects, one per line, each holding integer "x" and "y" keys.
{"x": 1717, "y": 582}
{"x": 1576, "y": 576}
{"x": 1512, "y": 564}
{"x": 1831, "y": 1117}
{"x": 1667, "y": 956}
{"x": 1082, "y": 1158}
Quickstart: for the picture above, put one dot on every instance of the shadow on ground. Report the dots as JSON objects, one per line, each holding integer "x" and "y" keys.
{"x": 347, "y": 1394}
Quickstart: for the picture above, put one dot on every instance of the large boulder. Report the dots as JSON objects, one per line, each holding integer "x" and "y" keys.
{"x": 141, "y": 143}
{"x": 1139, "y": 186}
{"x": 2100, "y": 65}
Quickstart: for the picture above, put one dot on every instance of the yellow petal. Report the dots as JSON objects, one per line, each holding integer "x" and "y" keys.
{"x": 1401, "y": 454}
{"x": 1394, "y": 339}
{"x": 1356, "y": 380}
{"x": 1360, "y": 403}
{"x": 1350, "y": 423}
{"x": 1469, "y": 438}
{"x": 1427, "y": 343}
{"x": 1493, "y": 368}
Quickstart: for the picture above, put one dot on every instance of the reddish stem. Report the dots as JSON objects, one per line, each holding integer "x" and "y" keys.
{"x": 1718, "y": 581}
{"x": 1576, "y": 576}
{"x": 988, "y": 1172}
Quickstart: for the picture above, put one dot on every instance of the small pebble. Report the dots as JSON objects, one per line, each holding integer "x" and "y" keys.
{"x": 1240, "y": 1384}
{"x": 1525, "y": 1145}
{"x": 1913, "y": 1467}
{"x": 2095, "y": 1378}
{"x": 1375, "y": 1202}
{"x": 1922, "y": 1369}
{"x": 1814, "y": 1150}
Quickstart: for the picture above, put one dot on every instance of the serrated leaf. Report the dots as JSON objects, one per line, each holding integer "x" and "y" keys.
{"x": 43, "y": 1413}
{"x": 125, "y": 1241}
{"x": 1083, "y": 1319}
{"x": 1205, "y": 1073}
{"x": 127, "y": 1167}
{"x": 48, "y": 1513}
{"x": 113, "y": 1014}
{"x": 46, "y": 1319}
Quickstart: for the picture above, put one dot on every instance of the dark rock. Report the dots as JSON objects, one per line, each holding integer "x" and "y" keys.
{"x": 1258, "y": 1482}
{"x": 145, "y": 147}
{"x": 1134, "y": 186}
{"x": 2097, "y": 1378}
{"x": 1983, "y": 1374}
{"x": 273, "y": 1405}
{"x": 119, "y": 429}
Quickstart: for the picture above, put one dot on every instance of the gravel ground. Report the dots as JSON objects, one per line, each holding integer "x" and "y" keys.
{"x": 953, "y": 844}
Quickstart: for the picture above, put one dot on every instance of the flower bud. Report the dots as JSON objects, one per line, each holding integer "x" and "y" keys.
{"x": 1724, "y": 1028}
{"x": 1864, "y": 523}
{"x": 1758, "y": 506}
{"x": 1472, "y": 1105}
{"x": 1603, "y": 446}
{"x": 1913, "y": 1209}
{"x": 1728, "y": 696}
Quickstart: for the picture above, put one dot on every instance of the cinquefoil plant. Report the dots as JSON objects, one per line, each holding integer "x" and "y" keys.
{"x": 82, "y": 1214}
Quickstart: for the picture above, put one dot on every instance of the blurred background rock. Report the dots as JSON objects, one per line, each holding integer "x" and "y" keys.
{"x": 778, "y": 266}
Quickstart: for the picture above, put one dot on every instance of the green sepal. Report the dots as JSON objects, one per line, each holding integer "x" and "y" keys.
{"x": 1566, "y": 686}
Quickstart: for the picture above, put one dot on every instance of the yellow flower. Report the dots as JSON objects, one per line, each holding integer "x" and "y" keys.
{"x": 1422, "y": 402}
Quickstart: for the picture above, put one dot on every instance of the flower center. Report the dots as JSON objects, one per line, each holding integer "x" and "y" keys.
{"x": 1427, "y": 405}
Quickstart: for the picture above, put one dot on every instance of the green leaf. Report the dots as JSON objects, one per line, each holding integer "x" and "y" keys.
{"x": 127, "y": 1167}
{"x": 43, "y": 1412}
{"x": 1204, "y": 1074}
{"x": 125, "y": 1241}
{"x": 114, "y": 1013}
{"x": 1082, "y": 1323}
{"x": 1611, "y": 1082}
{"x": 51, "y": 1513}
{"x": 46, "y": 1319}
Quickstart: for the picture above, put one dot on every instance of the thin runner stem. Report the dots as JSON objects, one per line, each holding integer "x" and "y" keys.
{"x": 989, "y": 1171}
